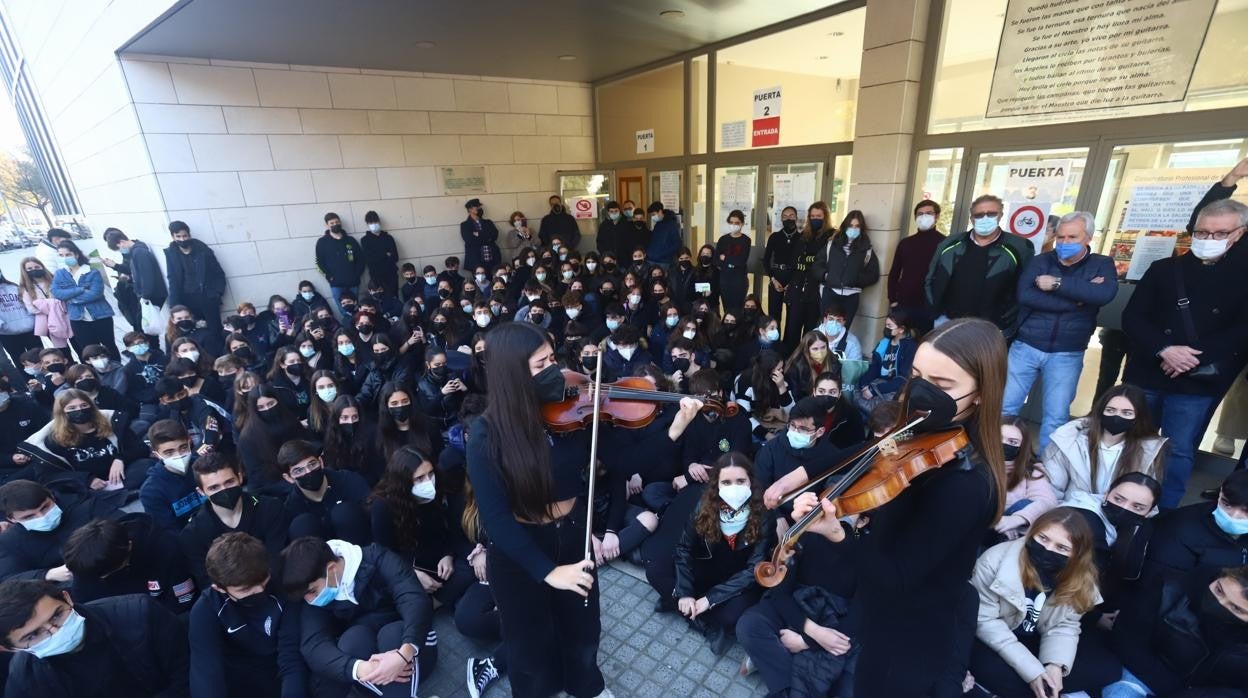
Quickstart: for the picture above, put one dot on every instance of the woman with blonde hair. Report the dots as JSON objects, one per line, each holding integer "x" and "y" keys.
{"x": 93, "y": 445}
{"x": 51, "y": 316}
{"x": 807, "y": 361}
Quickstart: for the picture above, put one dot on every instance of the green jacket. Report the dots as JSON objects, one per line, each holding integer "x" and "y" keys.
{"x": 1006, "y": 258}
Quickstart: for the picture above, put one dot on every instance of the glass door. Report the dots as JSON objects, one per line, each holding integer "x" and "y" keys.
{"x": 1038, "y": 187}
{"x": 798, "y": 185}
{"x": 585, "y": 194}
{"x": 736, "y": 189}
{"x": 665, "y": 187}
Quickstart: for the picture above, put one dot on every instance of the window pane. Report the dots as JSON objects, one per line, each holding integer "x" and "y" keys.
{"x": 697, "y": 108}
{"x": 698, "y": 234}
{"x": 992, "y": 176}
{"x": 840, "y": 188}
{"x": 653, "y": 100}
{"x": 937, "y": 176}
{"x": 816, "y": 68}
{"x": 971, "y": 37}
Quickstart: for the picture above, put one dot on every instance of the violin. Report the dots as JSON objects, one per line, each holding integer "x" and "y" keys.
{"x": 630, "y": 403}
{"x": 872, "y": 477}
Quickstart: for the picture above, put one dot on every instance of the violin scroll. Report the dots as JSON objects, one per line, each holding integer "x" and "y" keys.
{"x": 769, "y": 573}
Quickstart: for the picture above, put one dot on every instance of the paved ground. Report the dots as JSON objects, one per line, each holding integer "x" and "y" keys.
{"x": 643, "y": 653}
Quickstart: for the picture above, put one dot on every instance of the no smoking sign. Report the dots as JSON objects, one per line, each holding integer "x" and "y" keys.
{"x": 586, "y": 207}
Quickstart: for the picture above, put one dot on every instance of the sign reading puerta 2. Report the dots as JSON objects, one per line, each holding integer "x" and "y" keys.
{"x": 1077, "y": 55}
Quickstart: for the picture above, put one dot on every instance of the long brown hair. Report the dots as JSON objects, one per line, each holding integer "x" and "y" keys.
{"x": 28, "y": 284}
{"x": 63, "y": 432}
{"x": 978, "y": 348}
{"x": 394, "y": 488}
{"x": 706, "y": 518}
{"x": 1133, "y": 445}
{"x": 1075, "y": 586}
{"x": 1025, "y": 465}
{"x": 470, "y": 520}
{"x": 807, "y": 233}
{"x": 801, "y": 357}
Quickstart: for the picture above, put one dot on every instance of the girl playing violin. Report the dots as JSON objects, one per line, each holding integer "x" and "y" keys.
{"x": 913, "y": 616}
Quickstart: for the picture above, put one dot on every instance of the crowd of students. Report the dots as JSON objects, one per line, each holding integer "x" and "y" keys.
{"x": 278, "y": 505}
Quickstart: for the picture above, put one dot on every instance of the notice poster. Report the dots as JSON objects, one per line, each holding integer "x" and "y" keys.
{"x": 765, "y": 130}
{"x": 732, "y": 134}
{"x": 1031, "y": 189}
{"x": 461, "y": 181}
{"x": 645, "y": 141}
{"x": 669, "y": 190}
{"x": 1076, "y": 55}
{"x": 584, "y": 207}
{"x": 736, "y": 192}
{"x": 1162, "y": 206}
{"x": 1148, "y": 249}
{"x": 796, "y": 190}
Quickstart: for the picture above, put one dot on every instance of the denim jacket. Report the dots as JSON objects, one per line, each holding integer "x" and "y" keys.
{"x": 84, "y": 296}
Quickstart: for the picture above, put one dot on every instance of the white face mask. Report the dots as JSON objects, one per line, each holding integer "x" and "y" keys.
{"x": 99, "y": 364}
{"x": 626, "y": 352}
{"x": 735, "y": 496}
{"x": 192, "y": 355}
{"x": 634, "y": 300}
{"x": 177, "y": 464}
{"x": 1209, "y": 249}
{"x": 925, "y": 221}
{"x": 482, "y": 320}
{"x": 572, "y": 313}
{"x": 591, "y": 265}
{"x": 374, "y": 227}
{"x": 531, "y": 261}
{"x": 425, "y": 491}
{"x": 733, "y": 228}
{"x": 689, "y": 334}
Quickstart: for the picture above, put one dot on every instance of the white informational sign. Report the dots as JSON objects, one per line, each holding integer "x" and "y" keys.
{"x": 1031, "y": 189}
{"x": 1076, "y": 55}
{"x": 669, "y": 189}
{"x": 463, "y": 180}
{"x": 736, "y": 192}
{"x": 1149, "y": 249}
{"x": 767, "y": 102}
{"x": 1165, "y": 206}
{"x": 796, "y": 190}
{"x": 584, "y": 207}
{"x": 645, "y": 141}
{"x": 732, "y": 134}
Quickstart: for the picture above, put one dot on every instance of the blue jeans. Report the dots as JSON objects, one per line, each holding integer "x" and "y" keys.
{"x": 1129, "y": 686}
{"x": 1181, "y": 418}
{"x": 1060, "y": 371}
{"x": 337, "y": 292}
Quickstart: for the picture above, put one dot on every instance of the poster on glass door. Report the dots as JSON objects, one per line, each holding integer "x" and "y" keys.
{"x": 1031, "y": 189}
{"x": 791, "y": 189}
{"x": 736, "y": 192}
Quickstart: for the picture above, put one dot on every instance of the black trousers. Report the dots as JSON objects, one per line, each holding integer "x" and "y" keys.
{"x": 1095, "y": 667}
{"x": 208, "y": 309}
{"x": 775, "y": 307}
{"x": 364, "y": 640}
{"x": 803, "y": 316}
{"x": 16, "y": 344}
{"x": 733, "y": 285}
{"x": 1113, "y": 351}
{"x": 550, "y": 636}
{"x": 477, "y": 617}
{"x": 99, "y": 331}
{"x": 848, "y": 304}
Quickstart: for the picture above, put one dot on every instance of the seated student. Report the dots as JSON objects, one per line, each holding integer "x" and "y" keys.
{"x": 1204, "y": 537}
{"x": 54, "y": 365}
{"x": 800, "y": 447}
{"x": 387, "y": 367}
{"x": 1117, "y": 436}
{"x": 351, "y": 441}
{"x": 388, "y": 305}
{"x": 255, "y": 335}
{"x": 625, "y": 354}
{"x": 145, "y": 367}
{"x": 289, "y": 383}
{"x": 765, "y": 336}
{"x": 808, "y": 361}
{"x": 709, "y": 436}
{"x": 668, "y": 320}
{"x": 228, "y": 369}
{"x": 399, "y": 424}
{"x": 83, "y": 377}
{"x": 324, "y": 391}
{"x": 727, "y": 535}
{"x": 351, "y": 365}
{"x": 683, "y": 360}
{"x": 439, "y": 392}
{"x": 891, "y": 358}
{"x": 229, "y": 509}
{"x": 168, "y": 494}
{"x": 246, "y": 638}
{"x": 411, "y": 517}
{"x": 20, "y": 416}
{"x": 613, "y": 319}
{"x": 41, "y": 519}
{"x": 269, "y": 425}
{"x": 183, "y": 324}
{"x": 763, "y": 393}
{"x": 121, "y": 646}
{"x": 367, "y": 326}
{"x": 242, "y": 349}
{"x": 205, "y": 421}
{"x": 1032, "y": 592}
{"x": 308, "y": 300}
{"x": 278, "y": 322}
{"x": 883, "y": 418}
{"x": 193, "y": 373}
{"x": 32, "y": 371}
{"x": 843, "y": 423}
{"x": 322, "y": 502}
{"x": 92, "y": 445}
{"x": 1189, "y": 633}
{"x": 1028, "y": 492}
{"x": 452, "y": 465}
{"x": 110, "y": 372}
{"x": 129, "y": 555}
{"x": 367, "y": 620}
{"x": 841, "y": 342}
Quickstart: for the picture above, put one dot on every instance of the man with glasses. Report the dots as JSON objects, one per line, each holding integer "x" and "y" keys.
{"x": 802, "y": 448}
{"x": 324, "y": 503}
{"x": 975, "y": 273}
{"x": 120, "y": 646}
{"x": 1187, "y": 331}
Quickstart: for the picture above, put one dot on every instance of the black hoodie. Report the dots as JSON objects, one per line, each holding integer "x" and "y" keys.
{"x": 156, "y": 568}
{"x": 195, "y": 277}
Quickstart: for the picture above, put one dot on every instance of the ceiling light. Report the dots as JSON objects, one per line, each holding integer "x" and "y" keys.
{"x": 424, "y": 44}
{"x": 672, "y": 14}
{"x": 567, "y": 57}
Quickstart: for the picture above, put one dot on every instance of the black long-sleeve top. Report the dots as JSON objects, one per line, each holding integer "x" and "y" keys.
{"x": 263, "y": 637}
{"x": 437, "y": 533}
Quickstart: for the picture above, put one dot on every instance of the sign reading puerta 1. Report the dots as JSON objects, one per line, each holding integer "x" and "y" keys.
{"x": 1077, "y": 55}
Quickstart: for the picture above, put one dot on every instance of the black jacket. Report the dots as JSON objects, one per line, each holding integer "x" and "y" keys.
{"x": 562, "y": 226}
{"x": 480, "y": 246}
{"x": 381, "y": 257}
{"x": 343, "y": 502}
{"x": 442, "y": 410}
{"x": 386, "y": 589}
{"x": 20, "y": 419}
{"x": 834, "y": 268}
{"x": 156, "y": 567}
{"x": 611, "y": 234}
{"x": 1188, "y": 540}
{"x": 30, "y": 554}
{"x": 698, "y": 560}
{"x": 149, "y": 281}
{"x": 194, "y": 278}
{"x": 780, "y": 256}
{"x": 143, "y": 644}
{"x": 263, "y": 638}
{"x": 778, "y": 458}
{"x": 341, "y": 261}
{"x": 263, "y": 517}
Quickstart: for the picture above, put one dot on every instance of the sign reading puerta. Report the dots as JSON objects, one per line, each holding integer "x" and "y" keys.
{"x": 766, "y": 127}
{"x": 1077, "y": 55}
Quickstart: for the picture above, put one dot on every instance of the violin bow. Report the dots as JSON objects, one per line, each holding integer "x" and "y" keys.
{"x": 593, "y": 463}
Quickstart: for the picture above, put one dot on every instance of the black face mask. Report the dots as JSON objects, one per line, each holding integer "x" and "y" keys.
{"x": 252, "y": 601}
{"x": 444, "y": 293}
{"x": 1010, "y": 451}
{"x": 87, "y": 384}
{"x": 364, "y": 328}
{"x": 80, "y": 416}
{"x": 337, "y": 229}
{"x": 1048, "y": 564}
{"x": 549, "y": 384}
{"x": 182, "y": 405}
{"x": 609, "y": 267}
{"x": 639, "y": 225}
{"x": 189, "y": 381}
{"x": 294, "y": 370}
{"x": 226, "y": 498}
{"x": 438, "y": 372}
{"x": 1215, "y": 620}
{"x": 590, "y": 363}
{"x": 926, "y": 397}
{"x": 686, "y": 265}
{"x": 1116, "y": 424}
{"x": 789, "y": 226}
{"x": 536, "y": 318}
{"x": 348, "y": 308}
{"x": 347, "y": 429}
{"x": 1122, "y": 519}
{"x": 556, "y": 209}
{"x": 186, "y": 325}
{"x": 311, "y": 480}
{"x": 185, "y": 244}
{"x": 37, "y": 273}
{"x": 750, "y": 314}
{"x": 705, "y": 260}
{"x": 56, "y": 368}
{"x": 243, "y": 354}
{"x": 271, "y": 415}
{"x": 439, "y": 325}
{"x": 681, "y": 365}
{"x": 400, "y": 412}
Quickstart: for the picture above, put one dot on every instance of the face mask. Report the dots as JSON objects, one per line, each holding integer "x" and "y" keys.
{"x": 66, "y": 639}
{"x": 481, "y": 279}
{"x": 425, "y": 491}
{"x": 4, "y": 399}
{"x": 798, "y": 440}
{"x": 47, "y": 522}
{"x": 270, "y": 415}
{"x": 518, "y": 224}
{"x": 626, "y": 352}
{"x": 1047, "y": 563}
{"x": 986, "y": 226}
{"x": 87, "y": 385}
{"x": 634, "y": 300}
{"x": 177, "y": 464}
{"x": 628, "y": 212}
{"x": 374, "y": 227}
{"x": 671, "y": 320}
{"x": 1068, "y": 250}
{"x": 328, "y": 593}
{"x": 193, "y": 355}
{"x": 400, "y": 412}
{"x": 853, "y": 233}
{"x": 443, "y": 293}
{"x": 189, "y": 381}
{"x": 99, "y": 364}
{"x": 80, "y": 416}
{"x": 567, "y": 275}
{"x": 530, "y": 261}
{"x": 816, "y": 224}
{"x": 563, "y": 256}
{"x": 481, "y": 320}
{"x": 681, "y": 365}
{"x": 590, "y": 363}
{"x": 347, "y": 429}
{"x": 773, "y": 335}
{"x": 536, "y": 318}
{"x": 1010, "y": 451}
{"x": 613, "y": 325}
{"x": 307, "y": 295}
{"x": 1123, "y": 519}
{"x": 556, "y": 209}
{"x": 431, "y": 280}
{"x": 549, "y": 384}
{"x": 655, "y": 218}
{"x": 346, "y": 349}
{"x": 69, "y": 262}
{"x": 789, "y": 225}
{"x": 733, "y": 228}
{"x": 1209, "y": 249}
{"x": 541, "y": 276}
{"x": 307, "y": 352}
{"x": 591, "y": 265}
{"x": 689, "y": 334}
{"x": 1116, "y": 424}
{"x": 311, "y": 480}
{"x": 925, "y": 221}
{"x": 185, "y": 325}
{"x": 818, "y": 355}
{"x": 140, "y": 349}
{"x": 327, "y": 394}
{"x": 228, "y": 497}
{"x": 253, "y": 601}
{"x": 1215, "y": 619}
{"x": 244, "y": 354}
{"x": 735, "y": 496}
{"x": 37, "y": 273}
{"x": 1229, "y": 524}
{"x": 35, "y": 371}
{"x": 57, "y": 368}
{"x": 926, "y": 397}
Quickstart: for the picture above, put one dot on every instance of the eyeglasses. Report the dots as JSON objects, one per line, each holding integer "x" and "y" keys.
{"x": 1214, "y": 234}
{"x": 50, "y": 627}
{"x": 301, "y": 469}
{"x": 986, "y": 214}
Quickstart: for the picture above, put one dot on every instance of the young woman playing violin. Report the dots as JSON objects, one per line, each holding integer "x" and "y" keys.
{"x": 913, "y": 615}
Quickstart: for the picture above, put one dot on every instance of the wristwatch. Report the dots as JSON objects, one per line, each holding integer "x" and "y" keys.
{"x": 1057, "y": 283}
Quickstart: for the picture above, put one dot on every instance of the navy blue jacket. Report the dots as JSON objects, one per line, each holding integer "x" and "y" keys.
{"x": 263, "y": 638}
{"x": 20, "y": 419}
{"x": 30, "y": 554}
{"x": 1063, "y": 319}
{"x": 664, "y": 239}
{"x": 156, "y": 567}
{"x": 170, "y": 499}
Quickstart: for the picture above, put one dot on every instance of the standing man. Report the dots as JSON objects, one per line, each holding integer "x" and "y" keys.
{"x": 636, "y": 234}
{"x": 780, "y": 262}
{"x": 381, "y": 255}
{"x": 1059, "y": 295}
{"x": 975, "y": 274}
{"x": 559, "y": 224}
{"x": 1187, "y": 335}
{"x": 480, "y": 237}
{"x": 196, "y": 280}
{"x": 145, "y": 273}
{"x": 664, "y": 236}
{"x": 911, "y": 260}
{"x": 340, "y": 259}
{"x": 46, "y": 252}
{"x": 612, "y": 230}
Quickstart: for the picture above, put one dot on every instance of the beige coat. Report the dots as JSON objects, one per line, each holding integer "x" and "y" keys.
{"x": 1003, "y": 606}
{"x": 1069, "y": 467}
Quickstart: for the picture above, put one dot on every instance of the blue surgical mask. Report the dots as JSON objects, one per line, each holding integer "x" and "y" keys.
{"x": 140, "y": 349}
{"x": 346, "y": 349}
{"x": 797, "y": 439}
{"x": 773, "y": 335}
{"x": 431, "y": 280}
{"x": 613, "y": 216}
{"x": 328, "y": 593}
{"x": 67, "y": 638}
{"x": 986, "y": 226}
{"x": 655, "y": 218}
{"x": 671, "y": 320}
{"x": 1229, "y": 524}
{"x": 307, "y": 352}
{"x": 613, "y": 325}
{"x": 307, "y": 295}
{"x": 853, "y": 233}
{"x": 833, "y": 328}
{"x": 47, "y": 522}
{"x": 1068, "y": 250}
{"x": 327, "y": 394}
{"x": 69, "y": 262}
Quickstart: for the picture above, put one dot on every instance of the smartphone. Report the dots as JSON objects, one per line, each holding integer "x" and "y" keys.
{"x": 702, "y": 287}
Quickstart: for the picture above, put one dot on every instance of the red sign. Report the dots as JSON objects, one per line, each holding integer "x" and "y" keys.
{"x": 1027, "y": 221}
{"x": 766, "y": 132}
